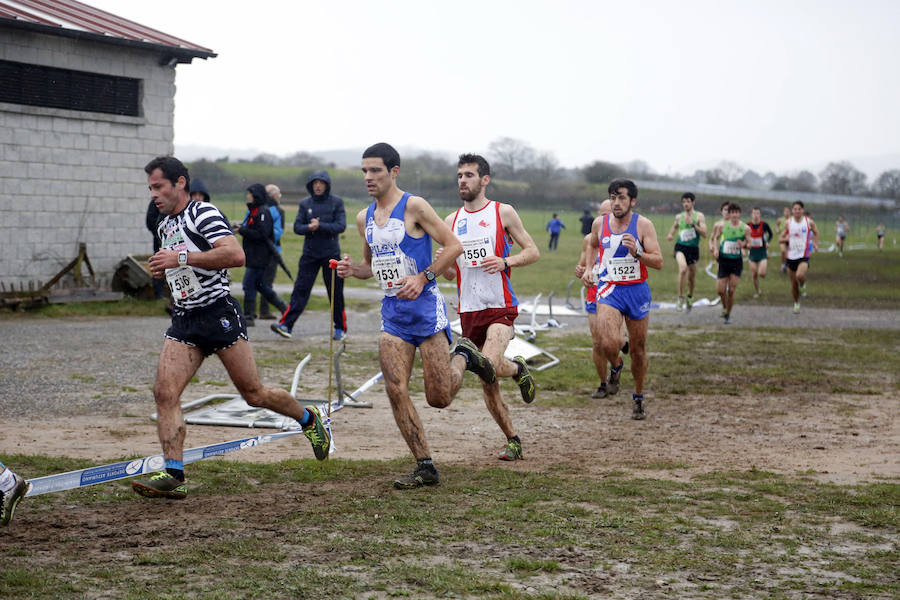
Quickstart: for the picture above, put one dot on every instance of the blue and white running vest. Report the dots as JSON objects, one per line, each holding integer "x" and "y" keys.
{"x": 395, "y": 255}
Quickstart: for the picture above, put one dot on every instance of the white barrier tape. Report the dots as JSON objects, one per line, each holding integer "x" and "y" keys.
{"x": 148, "y": 464}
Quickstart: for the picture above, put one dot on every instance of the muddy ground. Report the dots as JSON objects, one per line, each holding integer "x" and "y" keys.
{"x": 81, "y": 388}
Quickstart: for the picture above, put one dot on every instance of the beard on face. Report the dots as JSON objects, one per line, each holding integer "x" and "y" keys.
{"x": 470, "y": 193}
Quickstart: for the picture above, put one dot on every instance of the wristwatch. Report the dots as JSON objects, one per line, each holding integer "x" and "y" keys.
{"x": 638, "y": 252}
{"x": 182, "y": 258}
{"x": 429, "y": 275}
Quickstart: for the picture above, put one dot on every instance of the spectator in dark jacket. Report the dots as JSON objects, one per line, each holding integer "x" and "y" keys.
{"x": 273, "y": 193}
{"x": 199, "y": 193}
{"x": 259, "y": 244}
{"x": 321, "y": 219}
{"x": 160, "y": 289}
{"x": 587, "y": 220}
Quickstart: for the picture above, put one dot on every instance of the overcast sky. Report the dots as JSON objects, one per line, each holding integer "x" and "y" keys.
{"x": 772, "y": 85}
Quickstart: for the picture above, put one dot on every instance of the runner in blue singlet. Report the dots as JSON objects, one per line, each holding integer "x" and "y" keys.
{"x": 627, "y": 245}
{"x": 397, "y": 229}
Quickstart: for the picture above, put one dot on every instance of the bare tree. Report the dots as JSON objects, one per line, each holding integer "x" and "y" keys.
{"x": 509, "y": 155}
{"x": 842, "y": 178}
{"x": 804, "y": 181}
{"x": 888, "y": 184}
{"x": 602, "y": 172}
{"x": 303, "y": 159}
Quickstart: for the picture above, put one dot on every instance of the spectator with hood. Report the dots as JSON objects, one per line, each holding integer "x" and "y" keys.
{"x": 321, "y": 219}
{"x": 257, "y": 229}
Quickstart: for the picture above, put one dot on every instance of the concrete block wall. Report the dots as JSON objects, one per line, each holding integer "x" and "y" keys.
{"x": 70, "y": 176}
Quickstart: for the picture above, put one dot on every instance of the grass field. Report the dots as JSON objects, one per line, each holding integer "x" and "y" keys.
{"x": 864, "y": 279}
{"x": 868, "y": 274}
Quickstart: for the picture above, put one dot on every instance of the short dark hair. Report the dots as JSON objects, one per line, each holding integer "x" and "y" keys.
{"x": 798, "y": 202}
{"x": 171, "y": 168}
{"x": 385, "y": 152}
{"x": 623, "y": 183}
{"x": 756, "y": 208}
{"x": 690, "y": 196}
{"x": 734, "y": 207}
{"x": 483, "y": 167}
{"x": 724, "y": 204}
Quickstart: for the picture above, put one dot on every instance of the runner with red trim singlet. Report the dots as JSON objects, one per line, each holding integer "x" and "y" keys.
{"x": 801, "y": 236}
{"x": 590, "y": 307}
{"x": 487, "y": 304}
{"x": 760, "y": 236}
{"x": 627, "y": 245}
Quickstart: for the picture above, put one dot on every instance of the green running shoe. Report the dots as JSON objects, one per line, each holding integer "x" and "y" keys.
{"x": 9, "y": 500}
{"x": 421, "y": 476}
{"x": 525, "y": 381}
{"x": 612, "y": 382}
{"x": 161, "y": 485}
{"x": 513, "y": 451}
{"x": 476, "y": 362}
{"x": 317, "y": 435}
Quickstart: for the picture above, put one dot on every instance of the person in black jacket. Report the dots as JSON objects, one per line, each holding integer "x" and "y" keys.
{"x": 259, "y": 244}
{"x": 273, "y": 193}
{"x": 321, "y": 218}
{"x": 160, "y": 289}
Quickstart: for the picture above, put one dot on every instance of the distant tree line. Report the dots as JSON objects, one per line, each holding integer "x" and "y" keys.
{"x": 529, "y": 176}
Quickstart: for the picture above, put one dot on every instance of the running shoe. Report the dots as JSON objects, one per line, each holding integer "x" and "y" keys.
{"x": 612, "y": 382}
{"x": 803, "y": 291}
{"x": 513, "y": 451}
{"x": 281, "y": 329}
{"x": 476, "y": 362}
{"x": 250, "y": 321}
{"x": 317, "y": 435}
{"x": 10, "y": 499}
{"x": 267, "y": 317}
{"x": 161, "y": 485}
{"x": 796, "y": 308}
{"x": 756, "y": 294}
{"x": 637, "y": 408}
{"x": 601, "y": 391}
{"x": 420, "y": 476}
{"x": 727, "y": 319}
{"x": 688, "y": 304}
{"x": 525, "y": 381}
{"x": 679, "y": 306}
{"x": 339, "y": 334}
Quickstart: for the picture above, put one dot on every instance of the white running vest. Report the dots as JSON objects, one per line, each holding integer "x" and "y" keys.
{"x": 798, "y": 238}
{"x": 481, "y": 234}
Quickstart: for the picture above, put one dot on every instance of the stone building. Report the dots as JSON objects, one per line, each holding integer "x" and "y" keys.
{"x": 86, "y": 100}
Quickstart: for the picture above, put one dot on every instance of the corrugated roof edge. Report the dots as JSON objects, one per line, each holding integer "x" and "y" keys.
{"x": 179, "y": 54}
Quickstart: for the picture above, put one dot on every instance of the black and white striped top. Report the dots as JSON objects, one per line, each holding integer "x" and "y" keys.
{"x": 196, "y": 229}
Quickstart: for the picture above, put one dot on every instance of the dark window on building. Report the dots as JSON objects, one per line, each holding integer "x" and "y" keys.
{"x": 36, "y": 85}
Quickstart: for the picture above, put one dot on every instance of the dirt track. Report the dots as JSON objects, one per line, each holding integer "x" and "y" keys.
{"x": 81, "y": 388}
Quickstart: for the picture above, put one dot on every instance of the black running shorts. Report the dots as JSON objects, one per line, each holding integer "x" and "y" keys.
{"x": 793, "y": 263}
{"x": 730, "y": 266}
{"x": 691, "y": 253}
{"x": 210, "y": 328}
